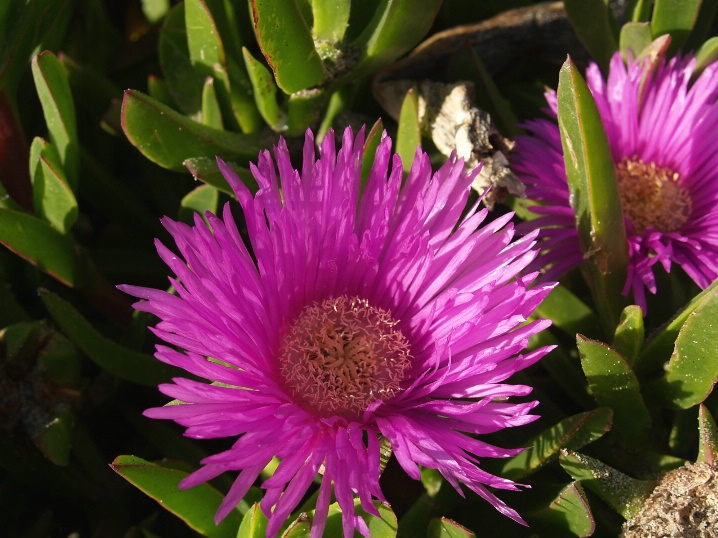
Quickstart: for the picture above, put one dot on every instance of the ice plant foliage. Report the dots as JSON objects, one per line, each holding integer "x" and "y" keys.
{"x": 661, "y": 131}
{"x": 348, "y": 315}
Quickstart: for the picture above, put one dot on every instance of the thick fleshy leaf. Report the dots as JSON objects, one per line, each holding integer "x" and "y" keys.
{"x": 211, "y": 109}
{"x": 183, "y": 83}
{"x": 568, "y": 313}
{"x": 568, "y": 514}
{"x": 304, "y": 110}
{"x": 379, "y": 527}
{"x": 331, "y": 18}
{"x": 622, "y": 493}
{"x": 635, "y": 36}
{"x": 573, "y": 433}
{"x": 53, "y": 198}
{"x": 203, "y": 198}
{"x": 206, "y": 53}
{"x": 642, "y": 10}
{"x": 59, "y": 110}
{"x": 396, "y": 27}
{"x": 660, "y": 345}
{"x": 265, "y": 92}
{"x": 613, "y": 384}
{"x": 299, "y": 528}
{"x": 206, "y": 169}
{"x": 254, "y": 524}
{"x": 155, "y": 10}
{"x": 594, "y": 194}
{"x": 706, "y": 55}
{"x": 157, "y": 89}
{"x": 54, "y": 438}
{"x": 442, "y": 527}
{"x": 674, "y": 17}
{"x": 707, "y": 437}
{"x": 692, "y": 370}
{"x": 167, "y": 138}
{"x": 596, "y": 28}
{"x": 370, "y": 146}
{"x": 195, "y": 506}
{"x": 408, "y": 136}
{"x": 629, "y": 333}
{"x": 42, "y": 245}
{"x": 110, "y": 356}
{"x": 287, "y": 44}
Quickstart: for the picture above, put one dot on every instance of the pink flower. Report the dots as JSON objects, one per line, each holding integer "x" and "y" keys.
{"x": 662, "y": 139}
{"x": 356, "y": 314}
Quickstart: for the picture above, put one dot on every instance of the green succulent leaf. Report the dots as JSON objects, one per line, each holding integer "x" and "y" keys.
{"x": 408, "y": 137}
{"x": 205, "y": 169}
{"x": 299, "y": 528}
{"x": 629, "y": 333}
{"x": 42, "y": 245}
{"x": 370, "y": 146}
{"x": 183, "y": 83}
{"x": 568, "y": 313}
{"x": 707, "y": 437}
{"x": 573, "y": 433}
{"x": 254, "y": 524}
{"x": 596, "y": 28}
{"x": 287, "y": 44}
{"x": 674, "y": 17}
{"x": 265, "y": 92}
{"x": 705, "y": 56}
{"x": 158, "y": 90}
{"x": 331, "y": 18}
{"x": 569, "y": 513}
{"x": 53, "y": 198}
{"x": 54, "y": 438}
{"x": 692, "y": 370}
{"x": 396, "y": 27}
{"x": 59, "y": 110}
{"x": 167, "y": 138}
{"x": 110, "y": 356}
{"x": 379, "y": 527}
{"x": 642, "y": 10}
{"x": 613, "y": 384}
{"x": 304, "y": 110}
{"x": 594, "y": 194}
{"x": 195, "y": 506}
{"x": 621, "y": 492}
{"x": 635, "y": 37}
{"x": 442, "y": 527}
{"x": 211, "y": 110}
{"x": 203, "y": 198}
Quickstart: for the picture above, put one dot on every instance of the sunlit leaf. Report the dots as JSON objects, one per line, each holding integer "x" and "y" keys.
{"x": 59, "y": 110}
{"x": 707, "y": 437}
{"x": 287, "y": 44}
{"x": 445, "y": 528}
{"x": 265, "y": 92}
{"x": 167, "y": 138}
{"x": 573, "y": 433}
{"x": 331, "y": 18}
{"x": 408, "y": 137}
{"x": 629, "y": 333}
{"x": 623, "y": 493}
{"x": 692, "y": 370}
{"x": 635, "y": 36}
{"x": 53, "y": 198}
{"x": 211, "y": 110}
{"x": 203, "y": 198}
{"x": 205, "y": 169}
{"x": 614, "y": 385}
{"x": 195, "y": 506}
{"x": 594, "y": 194}
{"x": 706, "y": 55}
{"x": 568, "y": 513}
{"x": 674, "y": 17}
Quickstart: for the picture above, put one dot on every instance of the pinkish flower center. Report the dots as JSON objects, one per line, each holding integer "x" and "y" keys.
{"x": 341, "y": 355}
{"x": 652, "y": 196}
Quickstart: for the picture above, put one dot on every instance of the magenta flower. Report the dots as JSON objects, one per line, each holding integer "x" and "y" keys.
{"x": 354, "y": 315}
{"x": 662, "y": 132}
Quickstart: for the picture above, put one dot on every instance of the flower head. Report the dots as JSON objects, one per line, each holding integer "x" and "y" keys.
{"x": 356, "y": 314}
{"x": 661, "y": 130}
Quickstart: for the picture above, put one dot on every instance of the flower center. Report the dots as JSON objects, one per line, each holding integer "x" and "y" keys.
{"x": 341, "y": 355}
{"x": 651, "y": 196}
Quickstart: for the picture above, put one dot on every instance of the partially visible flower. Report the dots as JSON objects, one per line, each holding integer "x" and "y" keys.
{"x": 356, "y": 314}
{"x": 662, "y": 134}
